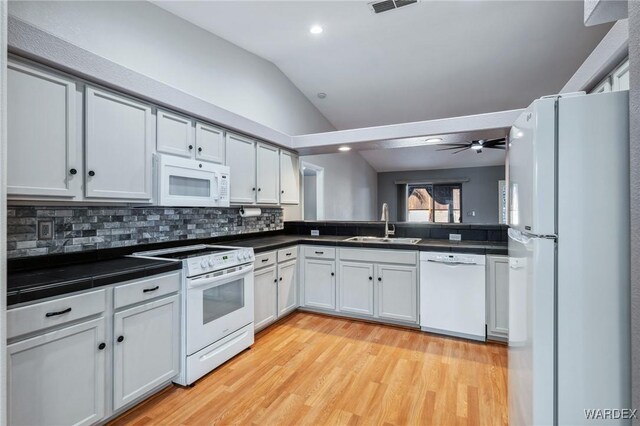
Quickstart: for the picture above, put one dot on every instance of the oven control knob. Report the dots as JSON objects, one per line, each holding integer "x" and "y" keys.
{"x": 246, "y": 254}
{"x": 204, "y": 263}
{"x": 211, "y": 262}
{"x": 239, "y": 255}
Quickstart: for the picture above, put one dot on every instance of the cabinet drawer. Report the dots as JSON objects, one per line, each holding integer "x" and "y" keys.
{"x": 145, "y": 289}
{"x": 287, "y": 254}
{"x": 40, "y": 316}
{"x": 320, "y": 252}
{"x": 265, "y": 259}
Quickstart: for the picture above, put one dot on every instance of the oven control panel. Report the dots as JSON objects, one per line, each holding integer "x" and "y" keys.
{"x": 218, "y": 261}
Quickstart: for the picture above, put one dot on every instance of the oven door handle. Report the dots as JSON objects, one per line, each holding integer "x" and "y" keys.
{"x": 204, "y": 280}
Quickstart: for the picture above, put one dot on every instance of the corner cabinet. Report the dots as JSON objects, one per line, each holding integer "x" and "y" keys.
{"x": 58, "y": 377}
{"x": 118, "y": 147}
{"x": 498, "y": 298}
{"x": 44, "y": 146}
{"x": 289, "y": 178}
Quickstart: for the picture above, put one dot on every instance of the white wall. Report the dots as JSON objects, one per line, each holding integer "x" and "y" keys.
{"x": 310, "y": 197}
{"x": 153, "y": 42}
{"x": 350, "y": 186}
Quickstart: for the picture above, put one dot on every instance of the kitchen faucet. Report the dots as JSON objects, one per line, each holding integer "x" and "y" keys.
{"x": 385, "y": 217}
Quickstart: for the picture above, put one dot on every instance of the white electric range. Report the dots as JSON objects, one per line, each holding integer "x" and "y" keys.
{"x": 217, "y": 305}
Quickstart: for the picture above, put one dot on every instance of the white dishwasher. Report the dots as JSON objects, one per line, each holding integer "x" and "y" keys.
{"x": 452, "y": 294}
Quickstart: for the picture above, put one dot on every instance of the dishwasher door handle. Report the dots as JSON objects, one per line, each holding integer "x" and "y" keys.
{"x": 452, "y": 263}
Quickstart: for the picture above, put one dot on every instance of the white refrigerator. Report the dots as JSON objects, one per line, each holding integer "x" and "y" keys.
{"x": 569, "y": 313}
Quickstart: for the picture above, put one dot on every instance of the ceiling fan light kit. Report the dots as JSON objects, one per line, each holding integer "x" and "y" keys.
{"x": 476, "y": 145}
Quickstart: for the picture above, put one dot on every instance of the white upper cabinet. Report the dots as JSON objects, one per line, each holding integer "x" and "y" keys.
{"x": 43, "y": 149}
{"x": 210, "y": 143}
{"x": 289, "y": 178}
{"x": 268, "y": 171}
{"x": 241, "y": 159}
{"x": 174, "y": 134}
{"x": 620, "y": 77}
{"x": 118, "y": 147}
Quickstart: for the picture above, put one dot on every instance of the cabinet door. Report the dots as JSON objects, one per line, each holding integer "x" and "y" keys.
{"x": 397, "y": 292}
{"x": 119, "y": 147}
{"x": 209, "y": 143}
{"x": 42, "y": 144}
{"x": 265, "y": 307}
{"x": 146, "y": 348}
{"x": 287, "y": 288}
{"x": 498, "y": 297}
{"x": 241, "y": 159}
{"x": 174, "y": 134}
{"x": 319, "y": 284}
{"x": 289, "y": 178}
{"x": 356, "y": 288}
{"x": 58, "y": 378}
{"x": 620, "y": 77}
{"x": 268, "y": 174}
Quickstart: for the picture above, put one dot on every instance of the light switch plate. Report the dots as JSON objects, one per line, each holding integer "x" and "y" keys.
{"x": 455, "y": 237}
{"x": 315, "y": 233}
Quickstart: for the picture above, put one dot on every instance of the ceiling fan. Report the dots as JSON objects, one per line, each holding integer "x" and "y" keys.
{"x": 477, "y": 145}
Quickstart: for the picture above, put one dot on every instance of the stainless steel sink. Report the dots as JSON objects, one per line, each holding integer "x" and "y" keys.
{"x": 384, "y": 240}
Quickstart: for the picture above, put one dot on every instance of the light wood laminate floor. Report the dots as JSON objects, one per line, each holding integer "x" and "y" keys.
{"x": 316, "y": 370}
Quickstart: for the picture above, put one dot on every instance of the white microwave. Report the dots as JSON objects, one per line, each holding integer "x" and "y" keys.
{"x": 191, "y": 183}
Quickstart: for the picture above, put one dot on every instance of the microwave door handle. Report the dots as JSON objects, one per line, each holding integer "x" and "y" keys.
{"x": 216, "y": 186}
{"x": 204, "y": 281}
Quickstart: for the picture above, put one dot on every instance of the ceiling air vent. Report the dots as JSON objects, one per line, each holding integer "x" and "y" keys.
{"x": 387, "y": 5}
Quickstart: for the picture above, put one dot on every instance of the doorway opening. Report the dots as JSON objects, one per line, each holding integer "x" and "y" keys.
{"x": 312, "y": 191}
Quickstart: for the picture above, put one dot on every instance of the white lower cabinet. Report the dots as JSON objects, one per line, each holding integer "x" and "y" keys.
{"x": 275, "y": 286}
{"x": 356, "y": 287}
{"x": 397, "y": 292}
{"x": 59, "y": 369}
{"x": 265, "y": 293}
{"x": 374, "y": 283}
{"x": 145, "y": 348}
{"x": 498, "y": 298}
{"x": 287, "y": 286}
{"x": 320, "y": 283}
{"x": 58, "y": 378}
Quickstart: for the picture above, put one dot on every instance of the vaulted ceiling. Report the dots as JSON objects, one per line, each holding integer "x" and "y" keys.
{"x": 432, "y": 60}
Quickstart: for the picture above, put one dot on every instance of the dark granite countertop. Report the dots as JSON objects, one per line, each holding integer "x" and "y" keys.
{"x": 30, "y": 285}
{"x": 40, "y": 277}
{"x": 279, "y": 241}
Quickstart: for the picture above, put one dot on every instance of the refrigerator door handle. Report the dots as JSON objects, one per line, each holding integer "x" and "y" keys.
{"x": 524, "y": 237}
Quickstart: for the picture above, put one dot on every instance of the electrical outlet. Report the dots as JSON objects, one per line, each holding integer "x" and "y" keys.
{"x": 455, "y": 237}
{"x": 471, "y": 213}
{"x": 315, "y": 233}
{"x": 45, "y": 229}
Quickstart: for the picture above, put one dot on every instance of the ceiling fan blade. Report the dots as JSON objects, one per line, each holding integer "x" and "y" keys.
{"x": 495, "y": 147}
{"x": 453, "y": 147}
{"x": 463, "y": 149}
{"x": 453, "y": 144}
{"x": 493, "y": 142}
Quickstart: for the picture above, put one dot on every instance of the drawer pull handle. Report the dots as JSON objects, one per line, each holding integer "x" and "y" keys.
{"x": 265, "y": 260}
{"x": 319, "y": 252}
{"x": 288, "y": 254}
{"x": 147, "y": 290}
{"x": 54, "y": 314}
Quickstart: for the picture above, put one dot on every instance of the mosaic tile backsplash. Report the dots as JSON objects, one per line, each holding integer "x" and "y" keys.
{"x": 88, "y": 228}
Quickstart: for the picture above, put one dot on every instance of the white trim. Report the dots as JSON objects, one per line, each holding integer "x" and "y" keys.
{"x": 3, "y": 212}
{"x": 319, "y": 188}
{"x": 604, "y": 58}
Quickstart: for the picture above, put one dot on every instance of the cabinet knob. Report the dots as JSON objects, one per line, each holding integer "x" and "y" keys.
{"x": 101, "y": 346}
{"x": 199, "y": 149}
{"x": 280, "y": 278}
{"x": 92, "y": 173}
{"x": 370, "y": 278}
{"x": 379, "y": 278}
{"x": 190, "y": 147}
{"x": 259, "y": 189}
{"x": 333, "y": 273}
{"x": 120, "y": 339}
{"x": 275, "y": 281}
{"x": 253, "y": 189}
{"x": 73, "y": 171}
{"x": 282, "y": 192}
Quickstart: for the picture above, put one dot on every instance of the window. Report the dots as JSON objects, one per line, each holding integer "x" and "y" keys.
{"x": 435, "y": 203}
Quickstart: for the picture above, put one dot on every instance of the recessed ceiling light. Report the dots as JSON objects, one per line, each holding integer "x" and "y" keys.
{"x": 322, "y": 95}
{"x": 344, "y": 148}
{"x": 433, "y": 140}
{"x": 316, "y": 29}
